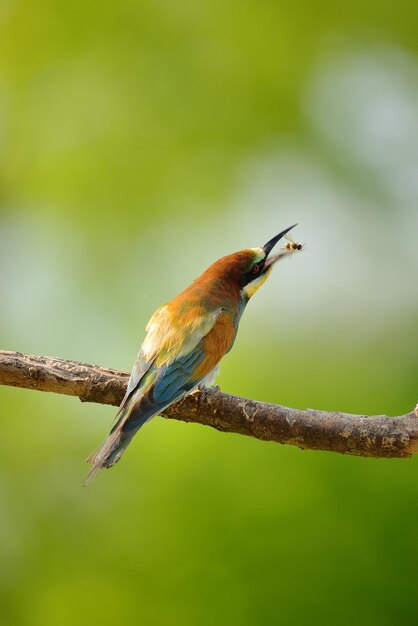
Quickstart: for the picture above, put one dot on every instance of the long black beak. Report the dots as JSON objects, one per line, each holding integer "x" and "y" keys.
{"x": 268, "y": 247}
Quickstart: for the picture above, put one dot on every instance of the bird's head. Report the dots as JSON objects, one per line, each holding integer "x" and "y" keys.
{"x": 244, "y": 272}
{"x": 260, "y": 262}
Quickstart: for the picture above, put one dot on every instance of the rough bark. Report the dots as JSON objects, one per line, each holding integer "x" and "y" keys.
{"x": 361, "y": 435}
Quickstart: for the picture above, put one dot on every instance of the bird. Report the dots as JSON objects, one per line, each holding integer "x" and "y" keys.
{"x": 185, "y": 340}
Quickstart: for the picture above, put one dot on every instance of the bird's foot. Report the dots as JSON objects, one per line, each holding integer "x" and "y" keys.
{"x": 201, "y": 388}
{"x": 209, "y": 388}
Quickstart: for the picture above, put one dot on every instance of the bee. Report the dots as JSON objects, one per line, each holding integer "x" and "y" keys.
{"x": 291, "y": 245}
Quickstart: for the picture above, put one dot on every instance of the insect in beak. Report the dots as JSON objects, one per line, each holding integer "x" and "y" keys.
{"x": 289, "y": 247}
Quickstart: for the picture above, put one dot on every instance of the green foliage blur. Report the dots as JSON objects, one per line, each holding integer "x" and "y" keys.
{"x": 140, "y": 141}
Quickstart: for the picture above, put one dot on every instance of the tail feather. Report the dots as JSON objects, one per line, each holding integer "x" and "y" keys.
{"x": 108, "y": 453}
{"x": 131, "y": 418}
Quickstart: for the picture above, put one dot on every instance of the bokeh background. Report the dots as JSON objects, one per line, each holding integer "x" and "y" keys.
{"x": 140, "y": 141}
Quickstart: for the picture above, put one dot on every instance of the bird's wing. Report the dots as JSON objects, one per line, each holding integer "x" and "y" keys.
{"x": 176, "y": 368}
{"x": 169, "y": 336}
{"x": 173, "y": 332}
{"x": 140, "y": 368}
{"x": 185, "y": 372}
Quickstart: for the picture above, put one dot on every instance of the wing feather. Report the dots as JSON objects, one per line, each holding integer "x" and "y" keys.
{"x": 169, "y": 337}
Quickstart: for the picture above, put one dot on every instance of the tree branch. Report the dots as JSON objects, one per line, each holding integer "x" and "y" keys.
{"x": 361, "y": 435}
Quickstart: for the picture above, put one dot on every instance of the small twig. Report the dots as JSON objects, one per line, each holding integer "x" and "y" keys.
{"x": 362, "y": 435}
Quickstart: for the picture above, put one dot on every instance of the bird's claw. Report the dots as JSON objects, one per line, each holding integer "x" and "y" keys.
{"x": 201, "y": 388}
{"x": 209, "y": 388}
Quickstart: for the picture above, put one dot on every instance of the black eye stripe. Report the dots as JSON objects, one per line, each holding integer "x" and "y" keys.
{"x": 255, "y": 271}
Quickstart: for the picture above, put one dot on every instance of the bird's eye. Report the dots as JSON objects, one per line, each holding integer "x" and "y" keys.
{"x": 256, "y": 268}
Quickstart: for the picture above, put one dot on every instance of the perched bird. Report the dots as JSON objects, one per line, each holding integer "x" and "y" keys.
{"x": 185, "y": 341}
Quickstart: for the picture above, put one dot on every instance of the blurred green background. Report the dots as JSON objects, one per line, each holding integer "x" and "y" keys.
{"x": 140, "y": 141}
